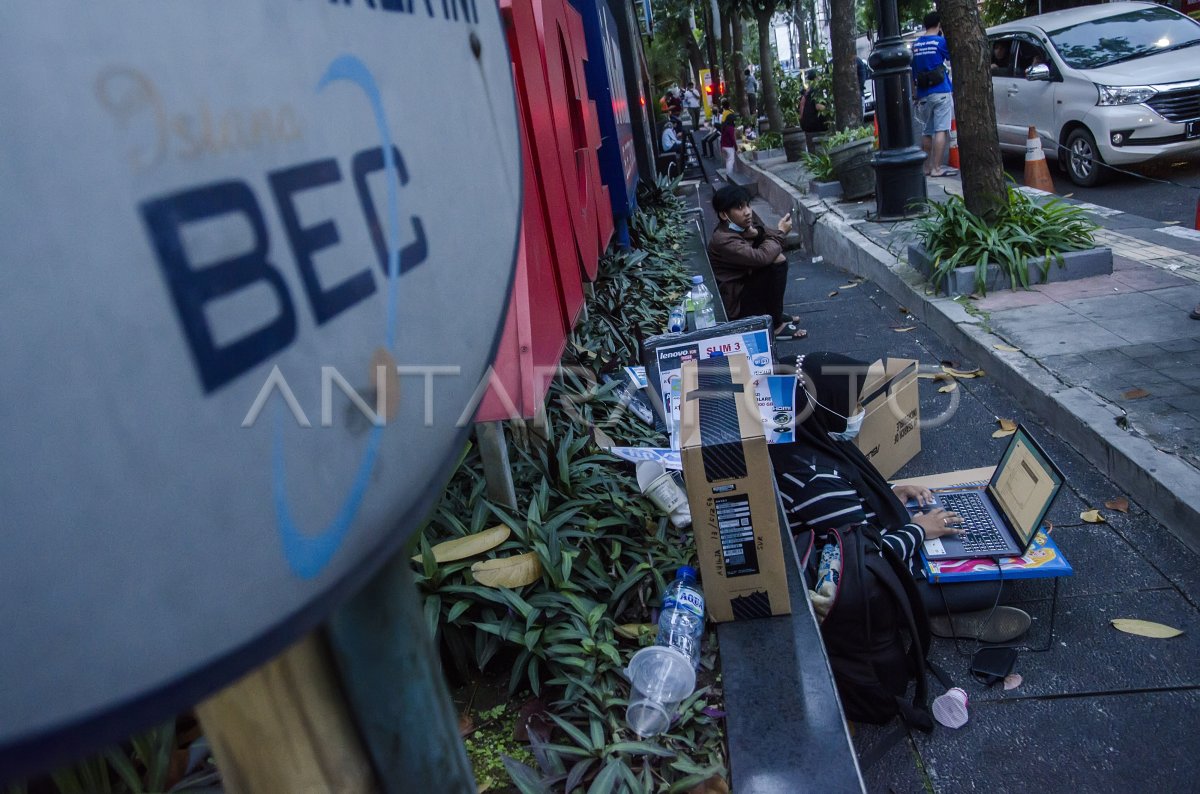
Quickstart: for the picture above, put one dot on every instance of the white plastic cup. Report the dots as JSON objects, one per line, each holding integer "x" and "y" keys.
{"x": 950, "y": 708}
{"x": 660, "y": 679}
{"x": 663, "y": 491}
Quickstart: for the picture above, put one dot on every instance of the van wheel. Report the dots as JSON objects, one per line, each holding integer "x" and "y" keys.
{"x": 1085, "y": 166}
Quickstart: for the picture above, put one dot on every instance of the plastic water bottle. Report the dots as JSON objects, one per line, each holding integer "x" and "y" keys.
{"x": 678, "y": 321}
{"x": 702, "y": 303}
{"x": 681, "y": 619}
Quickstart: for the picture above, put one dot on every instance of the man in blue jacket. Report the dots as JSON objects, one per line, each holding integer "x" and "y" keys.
{"x": 935, "y": 102}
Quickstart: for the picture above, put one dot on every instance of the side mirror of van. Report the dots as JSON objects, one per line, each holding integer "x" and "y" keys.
{"x": 1039, "y": 72}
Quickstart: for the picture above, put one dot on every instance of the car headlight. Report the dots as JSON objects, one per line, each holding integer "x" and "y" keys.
{"x": 1124, "y": 94}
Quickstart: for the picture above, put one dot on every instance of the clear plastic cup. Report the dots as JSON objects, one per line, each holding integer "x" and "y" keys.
{"x": 661, "y": 678}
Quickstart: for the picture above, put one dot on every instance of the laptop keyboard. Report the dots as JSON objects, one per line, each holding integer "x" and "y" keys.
{"x": 983, "y": 536}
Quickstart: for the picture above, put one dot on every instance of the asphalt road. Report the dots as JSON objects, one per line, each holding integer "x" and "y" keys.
{"x": 1135, "y": 192}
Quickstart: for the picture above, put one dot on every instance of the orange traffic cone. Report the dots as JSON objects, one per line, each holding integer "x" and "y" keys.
{"x": 1037, "y": 174}
{"x": 953, "y": 161}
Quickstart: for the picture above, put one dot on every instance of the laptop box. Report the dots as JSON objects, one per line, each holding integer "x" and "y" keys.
{"x": 891, "y": 434}
{"x": 731, "y": 491}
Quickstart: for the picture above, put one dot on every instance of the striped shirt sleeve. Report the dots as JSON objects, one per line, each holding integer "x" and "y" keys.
{"x": 819, "y": 497}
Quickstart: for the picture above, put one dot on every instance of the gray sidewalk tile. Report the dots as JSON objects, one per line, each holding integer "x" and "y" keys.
{"x": 1184, "y": 298}
{"x": 1092, "y": 744}
{"x": 893, "y": 771}
{"x": 1095, "y": 286}
{"x": 1012, "y": 299}
{"x": 1086, "y": 654}
{"x": 1070, "y": 334}
{"x": 1148, "y": 278}
{"x": 1183, "y": 345}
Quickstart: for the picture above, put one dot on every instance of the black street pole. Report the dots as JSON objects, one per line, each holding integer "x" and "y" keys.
{"x": 899, "y": 174}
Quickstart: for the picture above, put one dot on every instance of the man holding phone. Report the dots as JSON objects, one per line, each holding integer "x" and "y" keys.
{"x": 747, "y": 259}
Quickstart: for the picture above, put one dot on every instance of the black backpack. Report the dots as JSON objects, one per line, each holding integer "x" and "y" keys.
{"x": 875, "y": 607}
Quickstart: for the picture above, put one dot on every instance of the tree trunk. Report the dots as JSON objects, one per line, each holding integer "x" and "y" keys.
{"x": 739, "y": 63}
{"x": 726, "y": 51}
{"x": 978, "y": 144}
{"x": 800, "y": 14}
{"x": 710, "y": 41}
{"x": 766, "y": 77}
{"x": 846, "y": 99}
{"x": 695, "y": 57}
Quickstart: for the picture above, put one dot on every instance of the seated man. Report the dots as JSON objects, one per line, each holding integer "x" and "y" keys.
{"x": 747, "y": 259}
{"x": 671, "y": 144}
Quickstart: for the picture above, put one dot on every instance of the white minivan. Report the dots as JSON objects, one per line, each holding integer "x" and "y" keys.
{"x": 1116, "y": 83}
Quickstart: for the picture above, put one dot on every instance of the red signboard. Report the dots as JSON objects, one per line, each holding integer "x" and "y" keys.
{"x": 567, "y": 217}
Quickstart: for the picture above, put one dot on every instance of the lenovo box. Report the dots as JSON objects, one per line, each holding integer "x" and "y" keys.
{"x": 891, "y": 433}
{"x": 731, "y": 491}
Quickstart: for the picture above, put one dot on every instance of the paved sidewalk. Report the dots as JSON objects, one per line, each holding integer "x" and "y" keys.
{"x": 1112, "y": 362}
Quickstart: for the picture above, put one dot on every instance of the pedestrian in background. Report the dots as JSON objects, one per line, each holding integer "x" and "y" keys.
{"x": 935, "y": 102}
{"x": 728, "y": 126}
{"x": 812, "y": 121}
{"x": 752, "y": 93}
{"x": 691, "y": 103}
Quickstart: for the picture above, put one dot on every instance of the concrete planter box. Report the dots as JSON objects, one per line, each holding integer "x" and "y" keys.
{"x": 766, "y": 154}
{"x": 1076, "y": 264}
{"x": 825, "y": 190}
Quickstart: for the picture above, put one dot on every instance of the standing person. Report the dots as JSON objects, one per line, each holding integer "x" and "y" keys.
{"x": 935, "y": 102}
{"x": 673, "y": 101}
{"x": 728, "y": 127}
{"x": 748, "y": 262}
{"x": 811, "y": 109}
{"x": 752, "y": 94}
{"x": 691, "y": 103}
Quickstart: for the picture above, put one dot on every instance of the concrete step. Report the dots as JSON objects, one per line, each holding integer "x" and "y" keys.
{"x": 771, "y": 218}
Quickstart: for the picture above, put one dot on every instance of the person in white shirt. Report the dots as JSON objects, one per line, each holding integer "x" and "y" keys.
{"x": 671, "y": 144}
{"x": 691, "y": 103}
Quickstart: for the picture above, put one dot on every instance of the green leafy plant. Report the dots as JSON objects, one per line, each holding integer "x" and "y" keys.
{"x": 843, "y": 137}
{"x": 601, "y": 548}
{"x": 769, "y": 140}
{"x": 818, "y": 164}
{"x": 1020, "y": 231}
{"x": 789, "y": 90}
{"x": 490, "y": 741}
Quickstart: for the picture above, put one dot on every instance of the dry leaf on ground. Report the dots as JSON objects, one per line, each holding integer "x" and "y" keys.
{"x": 905, "y": 329}
{"x": 466, "y": 725}
{"x": 468, "y": 546}
{"x": 1007, "y": 348}
{"x": 1135, "y": 394}
{"x": 516, "y": 571}
{"x": 902, "y": 309}
{"x": 1120, "y": 504}
{"x": 1012, "y": 680}
{"x": 635, "y": 631}
{"x": 835, "y": 292}
{"x": 1145, "y": 628}
{"x": 949, "y": 387}
{"x": 962, "y": 373}
{"x": 1007, "y": 428}
{"x": 1092, "y": 517}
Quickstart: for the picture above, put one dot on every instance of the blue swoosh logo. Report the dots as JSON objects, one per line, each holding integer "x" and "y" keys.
{"x": 308, "y": 555}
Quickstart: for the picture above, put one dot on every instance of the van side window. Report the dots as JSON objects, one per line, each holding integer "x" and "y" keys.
{"x": 1002, "y": 57}
{"x": 1029, "y": 54}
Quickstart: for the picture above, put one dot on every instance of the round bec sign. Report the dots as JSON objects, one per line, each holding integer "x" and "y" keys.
{"x": 256, "y": 258}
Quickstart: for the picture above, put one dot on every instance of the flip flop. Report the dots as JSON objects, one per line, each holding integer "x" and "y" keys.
{"x": 946, "y": 172}
{"x": 790, "y": 331}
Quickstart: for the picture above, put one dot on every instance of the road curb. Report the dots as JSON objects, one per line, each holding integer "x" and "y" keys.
{"x": 1165, "y": 486}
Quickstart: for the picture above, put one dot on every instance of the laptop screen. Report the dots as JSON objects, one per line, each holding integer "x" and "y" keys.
{"x": 1024, "y": 485}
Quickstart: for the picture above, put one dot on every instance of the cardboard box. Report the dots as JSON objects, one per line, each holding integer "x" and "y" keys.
{"x": 731, "y": 491}
{"x": 665, "y": 354}
{"x": 891, "y": 431}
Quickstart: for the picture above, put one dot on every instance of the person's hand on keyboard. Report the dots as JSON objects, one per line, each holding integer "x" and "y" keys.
{"x": 939, "y": 522}
{"x": 913, "y": 493}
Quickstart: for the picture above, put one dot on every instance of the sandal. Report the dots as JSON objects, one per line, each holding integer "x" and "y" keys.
{"x": 790, "y": 331}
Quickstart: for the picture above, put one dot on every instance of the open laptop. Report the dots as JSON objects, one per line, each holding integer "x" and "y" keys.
{"x": 1002, "y": 517}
